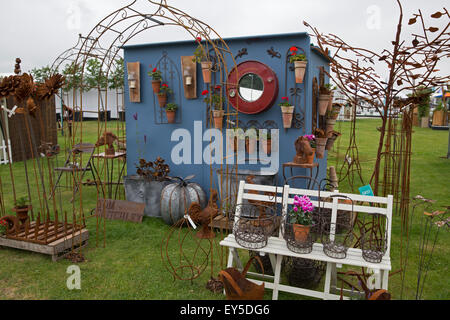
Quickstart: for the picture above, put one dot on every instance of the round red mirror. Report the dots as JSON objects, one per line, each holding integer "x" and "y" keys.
{"x": 252, "y": 87}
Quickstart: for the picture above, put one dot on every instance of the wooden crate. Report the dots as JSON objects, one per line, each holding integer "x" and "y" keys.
{"x": 57, "y": 249}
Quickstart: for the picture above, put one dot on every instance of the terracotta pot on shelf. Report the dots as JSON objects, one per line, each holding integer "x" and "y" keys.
{"x": 324, "y": 100}
{"x": 300, "y": 70}
{"x": 218, "y": 118}
{"x": 162, "y": 99}
{"x": 309, "y": 159}
{"x": 288, "y": 113}
{"x": 301, "y": 232}
{"x": 320, "y": 147}
{"x": 206, "y": 71}
{"x": 171, "y": 116}
{"x": 267, "y": 146}
{"x": 250, "y": 145}
{"x": 156, "y": 85}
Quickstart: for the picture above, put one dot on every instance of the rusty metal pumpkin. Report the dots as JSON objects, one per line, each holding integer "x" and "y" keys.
{"x": 176, "y": 199}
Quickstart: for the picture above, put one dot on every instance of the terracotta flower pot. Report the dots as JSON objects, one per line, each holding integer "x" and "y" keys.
{"x": 336, "y": 109}
{"x": 171, "y": 115}
{"x": 331, "y": 140}
{"x": 206, "y": 70}
{"x": 288, "y": 113}
{"x": 156, "y": 85}
{"x": 320, "y": 147}
{"x": 301, "y": 232}
{"x": 300, "y": 70}
{"x": 324, "y": 100}
{"x": 162, "y": 99}
{"x": 218, "y": 118}
{"x": 330, "y": 125}
{"x": 267, "y": 146}
{"x": 250, "y": 145}
{"x": 307, "y": 160}
{"x": 330, "y": 104}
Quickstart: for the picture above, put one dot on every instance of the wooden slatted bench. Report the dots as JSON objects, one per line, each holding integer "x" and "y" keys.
{"x": 277, "y": 249}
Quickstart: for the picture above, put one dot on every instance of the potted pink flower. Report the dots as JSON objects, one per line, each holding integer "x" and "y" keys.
{"x": 301, "y": 217}
{"x": 287, "y": 110}
{"x": 312, "y": 142}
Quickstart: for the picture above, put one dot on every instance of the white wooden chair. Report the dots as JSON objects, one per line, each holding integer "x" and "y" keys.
{"x": 277, "y": 249}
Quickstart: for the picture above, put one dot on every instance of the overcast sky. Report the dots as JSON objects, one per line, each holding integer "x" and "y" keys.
{"x": 38, "y": 31}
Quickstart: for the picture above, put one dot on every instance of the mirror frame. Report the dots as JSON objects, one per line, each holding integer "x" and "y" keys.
{"x": 271, "y": 87}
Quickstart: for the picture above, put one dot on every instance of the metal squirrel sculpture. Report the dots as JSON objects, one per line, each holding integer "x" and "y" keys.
{"x": 107, "y": 139}
{"x": 303, "y": 149}
{"x": 205, "y": 216}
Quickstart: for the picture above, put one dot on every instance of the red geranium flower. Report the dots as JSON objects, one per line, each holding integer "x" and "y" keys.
{"x": 199, "y": 39}
{"x": 285, "y": 98}
{"x": 204, "y": 93}
{"x": 293, "y": 49}
{"x": 156, "y": 69}
{"x": 165, "y": 85}
{"x": 218, "y": 87}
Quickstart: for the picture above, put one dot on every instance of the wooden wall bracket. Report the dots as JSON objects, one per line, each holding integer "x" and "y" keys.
{"x": 188, "y": 66}
{"x": 135, "y": 94}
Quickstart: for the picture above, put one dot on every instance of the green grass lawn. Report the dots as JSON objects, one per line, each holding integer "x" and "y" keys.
{"x": 130, "y": 266}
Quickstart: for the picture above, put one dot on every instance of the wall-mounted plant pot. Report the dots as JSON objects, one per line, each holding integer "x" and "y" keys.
{"x": 288, "y": 113}
{"x": 171, "y": 116}
{"x": 300, "y": 70}
{"x": 330, "y": 104}
{"x": 218, "y": 118}
{"x": 324, "y": 100}
{"x": 320, "y": 147}
{"x": 332, "y": 137}
{"x": 162, "y": 99}
{"x": 156, "y": 85}
{"x": 206, "y": 70}
{"x": 141, "y": 190}
{"x": 250, "y": 145}
{"x": 330, "y": 125}
{"x": 267, "y": 146}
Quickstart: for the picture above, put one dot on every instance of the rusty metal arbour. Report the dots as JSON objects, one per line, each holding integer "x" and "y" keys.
{"x": 117, "y": 29}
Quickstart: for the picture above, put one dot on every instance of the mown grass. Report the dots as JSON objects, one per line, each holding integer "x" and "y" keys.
{"x": 131, "y": 266}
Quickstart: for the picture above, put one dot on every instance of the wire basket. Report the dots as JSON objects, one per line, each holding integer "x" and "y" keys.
{"x": 374, "y": 239}
{"x": 303, "y": 273}
{"x": 300, "y": 239}
{"x": 335, "y": 245}
{"x": 256, "y": 223}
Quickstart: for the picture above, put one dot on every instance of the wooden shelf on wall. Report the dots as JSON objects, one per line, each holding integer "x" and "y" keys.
{"x": 190, "y": 92}
{"x": 135, "y": 94}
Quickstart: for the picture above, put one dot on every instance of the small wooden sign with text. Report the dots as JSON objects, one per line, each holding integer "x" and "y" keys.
{"x": 121, "y": 210}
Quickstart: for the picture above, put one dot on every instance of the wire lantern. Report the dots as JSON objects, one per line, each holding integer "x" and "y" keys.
{"x": 374, "y": 237}
{"x": 254, "y": 225}
{"x": 337, "y": 236}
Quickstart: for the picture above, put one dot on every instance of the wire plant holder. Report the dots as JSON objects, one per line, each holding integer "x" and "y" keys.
{"x": 374, "y": 238}
{"x": 337, "y": 237}
{"x": 304, "y": 273}
{"x": 300, "y": 246}
{"x": 253, "y": 225}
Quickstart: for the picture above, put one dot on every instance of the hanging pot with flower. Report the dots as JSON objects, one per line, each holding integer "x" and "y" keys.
{"x": 287, "y": 110}
{"x": 325, "y": 96}
{"x": 202, "y": 58}
{"x": 215, "y": 101}
{"x": 300, "y": 63}
{"x": 163, "y": 94}
{"x": 171, "y": 112}
{"x": 157, "y": 79}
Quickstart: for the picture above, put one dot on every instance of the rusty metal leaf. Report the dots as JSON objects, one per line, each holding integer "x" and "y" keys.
{"x": 437, "y": 15}
{"x": 412, "y": 21}
{"x": 433, "y": 29}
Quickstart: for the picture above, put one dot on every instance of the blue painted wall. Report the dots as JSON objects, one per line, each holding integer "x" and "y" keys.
{"x": 149, "y": 140}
